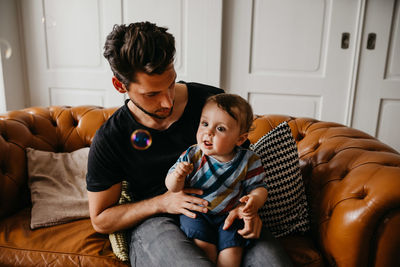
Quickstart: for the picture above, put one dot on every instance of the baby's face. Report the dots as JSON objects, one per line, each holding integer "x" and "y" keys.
{"x": 218, "y": 133}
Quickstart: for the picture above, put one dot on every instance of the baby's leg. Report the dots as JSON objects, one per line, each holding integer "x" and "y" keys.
{"x": 230, "y": 257}
{"x": 208, "y": 248}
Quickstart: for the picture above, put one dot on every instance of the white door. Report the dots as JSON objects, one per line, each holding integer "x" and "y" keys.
{"x": 3, "y": 107}
{"x": 197, "y": 27}
{"x": 64, "y": 42}
{"x": 291, "y": 57}
{"x": 377, "y": 102}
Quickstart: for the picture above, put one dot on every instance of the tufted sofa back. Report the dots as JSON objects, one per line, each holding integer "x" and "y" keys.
{"x": 56, "y": 129}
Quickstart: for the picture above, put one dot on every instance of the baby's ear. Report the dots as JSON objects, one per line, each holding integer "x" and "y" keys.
{"x": 242, "y": 138}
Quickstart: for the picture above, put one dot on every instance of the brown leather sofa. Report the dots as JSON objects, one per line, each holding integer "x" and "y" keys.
{"x": 352, "y": 183}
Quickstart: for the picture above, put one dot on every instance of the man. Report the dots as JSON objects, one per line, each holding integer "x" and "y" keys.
{"x": 141, "y": 57}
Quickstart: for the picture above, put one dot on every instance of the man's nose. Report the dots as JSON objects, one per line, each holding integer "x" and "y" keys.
{"x": 167, "y": 101}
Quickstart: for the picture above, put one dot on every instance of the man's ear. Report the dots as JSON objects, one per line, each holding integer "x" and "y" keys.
{"x": 118, "y": 85}
{"x": 242, "y": 138}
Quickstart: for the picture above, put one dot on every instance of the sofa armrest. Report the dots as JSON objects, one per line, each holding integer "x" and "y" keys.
{"x": 353, "y": 182}
{"x": 353, "y": 189}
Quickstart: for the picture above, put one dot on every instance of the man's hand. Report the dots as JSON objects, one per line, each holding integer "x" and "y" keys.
{"x": 252, "y": 223}
{"x": 183, "y": 203}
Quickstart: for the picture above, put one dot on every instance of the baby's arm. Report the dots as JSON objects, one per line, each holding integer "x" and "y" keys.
{"x": 254, "y": 201}
{"x": 175, "y": 180}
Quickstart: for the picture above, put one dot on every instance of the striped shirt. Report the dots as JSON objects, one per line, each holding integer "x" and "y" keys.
{"x": 223, "y": 183}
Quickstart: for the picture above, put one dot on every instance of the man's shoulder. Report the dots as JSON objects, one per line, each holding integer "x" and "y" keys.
{"x": 198, "y": 93}
{"x": 203, "y": 89}
{"x": 111, "y": 126}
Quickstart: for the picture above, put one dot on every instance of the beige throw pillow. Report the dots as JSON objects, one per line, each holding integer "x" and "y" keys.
{"x": 58, "y": 186}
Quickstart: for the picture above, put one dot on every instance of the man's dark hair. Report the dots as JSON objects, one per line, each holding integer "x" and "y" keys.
{"x": 138, "y": 47}
{"x": 237, "y": 107}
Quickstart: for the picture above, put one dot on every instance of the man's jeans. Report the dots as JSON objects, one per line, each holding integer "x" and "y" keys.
{"x": 158, "y": 241}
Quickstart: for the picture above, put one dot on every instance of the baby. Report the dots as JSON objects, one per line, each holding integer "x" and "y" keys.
{"x": 227, "y": 174}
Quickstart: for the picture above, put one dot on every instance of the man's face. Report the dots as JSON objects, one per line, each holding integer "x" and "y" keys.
{"x": 154, "y": 94}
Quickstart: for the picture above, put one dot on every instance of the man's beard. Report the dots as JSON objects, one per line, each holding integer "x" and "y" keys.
{"x": 153, "y": 114}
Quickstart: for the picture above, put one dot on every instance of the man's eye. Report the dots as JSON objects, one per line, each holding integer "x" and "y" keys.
{"x": 221, "y": 129}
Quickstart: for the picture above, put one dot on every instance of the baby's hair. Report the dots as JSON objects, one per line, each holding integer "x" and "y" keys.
{"x": 237, "y": 107}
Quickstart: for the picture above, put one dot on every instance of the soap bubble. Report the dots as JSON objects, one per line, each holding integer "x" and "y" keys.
{"x": 141, "y": 139}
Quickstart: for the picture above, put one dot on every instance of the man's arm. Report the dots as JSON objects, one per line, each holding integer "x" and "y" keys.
{"x": 107, "y": 217}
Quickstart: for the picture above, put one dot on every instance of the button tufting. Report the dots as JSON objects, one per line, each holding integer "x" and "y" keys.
{"x": 32, "y": 129}
{"x": 59, "y": 148}
{"x": 316, "y": 146}
{"x": 343, "y": 175}
{"x": 330, "y": 211}
{"x": 362, "y": 194}
{"x": 4, "y": 136}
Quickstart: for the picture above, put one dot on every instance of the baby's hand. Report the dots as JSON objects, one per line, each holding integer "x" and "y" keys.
{"x": 183, "y": 169}
{"x": 250, "y": 208}
{"x": 175, "y": 180}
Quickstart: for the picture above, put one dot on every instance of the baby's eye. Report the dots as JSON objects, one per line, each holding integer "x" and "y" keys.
{"x": 204, "y": 123}
{"x": 220, "y": 129}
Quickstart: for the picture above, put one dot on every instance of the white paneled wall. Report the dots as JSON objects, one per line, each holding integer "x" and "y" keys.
{"x": 196, "y": 26}
{"x": 301, "y": 58}
{"x": 66, "y": 40}
{"x": 15, "y": 89}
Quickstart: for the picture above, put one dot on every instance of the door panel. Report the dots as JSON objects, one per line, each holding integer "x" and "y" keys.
{"x": 290, "y": 54}
{"x": 196, "y": 26}
{"x": 64, "y": 42}
{"x": 62, "y": 37}
{"x": 377, "y": 102}
{"x": 279, "y": 32}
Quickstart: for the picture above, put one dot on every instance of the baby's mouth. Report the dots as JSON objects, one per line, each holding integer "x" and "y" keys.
{"x": 207, "y": 144}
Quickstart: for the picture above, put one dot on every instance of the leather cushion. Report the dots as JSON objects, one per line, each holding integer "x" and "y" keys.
{"x": 302, "y": 250}
{"x": 71, "y": 244}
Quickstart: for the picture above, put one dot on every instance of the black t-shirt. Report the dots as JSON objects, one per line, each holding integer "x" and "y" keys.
{"x": 112, "y": 158}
